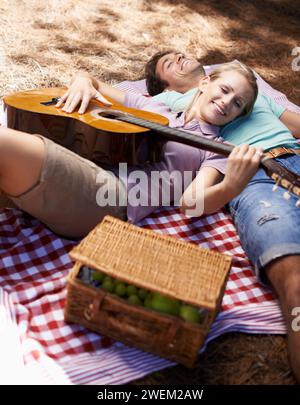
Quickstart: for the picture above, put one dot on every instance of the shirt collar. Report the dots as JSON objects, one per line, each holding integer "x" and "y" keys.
{"x": 194, "y": 124}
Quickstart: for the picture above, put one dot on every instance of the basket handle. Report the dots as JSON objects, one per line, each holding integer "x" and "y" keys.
{"x": 91, "y": 311}
{"x": 171, "y": 333}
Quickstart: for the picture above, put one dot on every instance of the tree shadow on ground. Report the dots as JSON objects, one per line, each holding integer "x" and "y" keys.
{"x": 263, "y": 35}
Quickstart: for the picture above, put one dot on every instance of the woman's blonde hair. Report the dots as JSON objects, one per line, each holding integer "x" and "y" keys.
{"x": 244, "y": 71}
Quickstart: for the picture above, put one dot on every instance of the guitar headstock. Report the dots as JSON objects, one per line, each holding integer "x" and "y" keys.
{"x": 284, "y": 178}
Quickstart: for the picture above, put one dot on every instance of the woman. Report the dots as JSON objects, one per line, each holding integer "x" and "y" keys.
{"x": 268, "y": 224}
{"x": 276, "y": 130}
{"x": 62, "y": 189}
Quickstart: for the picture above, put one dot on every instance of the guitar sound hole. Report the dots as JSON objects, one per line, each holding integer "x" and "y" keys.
{"x": 98, "y": 113}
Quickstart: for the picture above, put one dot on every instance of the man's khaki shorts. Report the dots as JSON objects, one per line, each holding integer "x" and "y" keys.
{"x": 65, "y": 197}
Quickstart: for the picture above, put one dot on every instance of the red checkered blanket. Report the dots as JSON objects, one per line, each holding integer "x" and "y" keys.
{"x": 41, "y": 348}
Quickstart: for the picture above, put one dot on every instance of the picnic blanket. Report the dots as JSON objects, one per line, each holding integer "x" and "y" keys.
{"x": 41, "y": 348}
{"x": 38, "y": 347}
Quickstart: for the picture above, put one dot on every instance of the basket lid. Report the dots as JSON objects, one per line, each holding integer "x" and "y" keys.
{"x": 156, "y": 262}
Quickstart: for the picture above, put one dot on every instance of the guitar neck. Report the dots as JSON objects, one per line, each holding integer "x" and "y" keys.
{"x": 177, "y": 135}
{"x": 278, "y": 173}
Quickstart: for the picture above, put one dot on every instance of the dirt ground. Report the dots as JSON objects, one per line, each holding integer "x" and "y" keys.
{"x": 43, "y": 43}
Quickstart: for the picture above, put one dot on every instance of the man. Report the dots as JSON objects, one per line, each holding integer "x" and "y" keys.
{"x": 172, "y": 70}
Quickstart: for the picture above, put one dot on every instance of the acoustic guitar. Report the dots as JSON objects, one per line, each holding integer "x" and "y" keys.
{"x": 118, "y": 119}
{"x": 103, "y": 140}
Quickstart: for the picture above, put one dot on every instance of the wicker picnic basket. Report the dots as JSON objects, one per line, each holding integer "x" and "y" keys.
{"x": 155, "y": 262}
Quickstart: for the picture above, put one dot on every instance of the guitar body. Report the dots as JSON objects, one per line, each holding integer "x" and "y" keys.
{"x": 102, "y": 140}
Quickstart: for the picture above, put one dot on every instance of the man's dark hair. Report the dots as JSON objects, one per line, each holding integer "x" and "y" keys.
{"x": 154, "y": 83}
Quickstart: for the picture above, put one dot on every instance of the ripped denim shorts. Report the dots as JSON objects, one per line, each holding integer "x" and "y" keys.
{"x": 268, "y": 224}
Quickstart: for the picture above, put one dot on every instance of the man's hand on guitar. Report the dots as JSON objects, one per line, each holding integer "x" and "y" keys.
{"x": 242, "y": 164}
{"x": 81, "y": 91}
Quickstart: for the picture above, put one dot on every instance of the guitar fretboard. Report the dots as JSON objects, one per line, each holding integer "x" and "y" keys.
{"x": 174, "y": 134}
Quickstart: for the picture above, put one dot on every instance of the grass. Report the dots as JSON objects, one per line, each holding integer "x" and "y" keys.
{"x": 43, "y": 43}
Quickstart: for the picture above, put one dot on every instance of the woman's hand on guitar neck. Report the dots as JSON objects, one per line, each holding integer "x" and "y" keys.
{"x": 82, "y": 90}
{"x": 207, "y": 194}
{"x": 242, "y": 164}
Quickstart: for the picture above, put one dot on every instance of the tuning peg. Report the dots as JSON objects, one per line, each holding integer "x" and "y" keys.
{"x": 287, "y": 194}
{"x": 275, "y": 187}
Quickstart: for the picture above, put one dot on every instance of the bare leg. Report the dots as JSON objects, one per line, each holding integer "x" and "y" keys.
{"x": 284, "y": 276}
{"x": 21, "y": 161}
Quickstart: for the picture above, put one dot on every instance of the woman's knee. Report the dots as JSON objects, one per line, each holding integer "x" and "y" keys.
{"x": 21, "y": 161}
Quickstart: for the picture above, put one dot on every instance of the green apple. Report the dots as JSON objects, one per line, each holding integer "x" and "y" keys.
{"x": 98, "y": 276}
{"x": 108, "y": 285}
{"x": 131, "y": 290}
{"x": 165, "y": 304}
{"x": 120, "y": 289}
{"x": 189, "y": 313}
{"x": 134, "y": 299}
{"x": 142, "y": 293}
